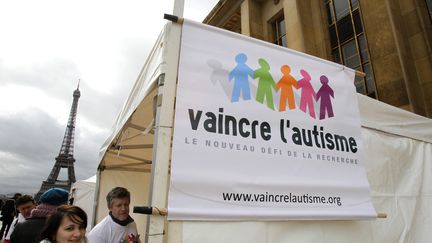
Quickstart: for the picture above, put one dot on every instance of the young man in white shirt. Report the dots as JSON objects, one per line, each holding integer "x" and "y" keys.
{"x": 24, "y": 205}
{"x": 117, "y": 226}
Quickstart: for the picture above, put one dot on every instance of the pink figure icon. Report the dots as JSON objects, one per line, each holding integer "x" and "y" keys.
{"x": 307, "y": 93}
{"x": 324, "y": 94}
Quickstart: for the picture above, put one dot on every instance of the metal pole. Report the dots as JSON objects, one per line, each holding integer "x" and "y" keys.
{"x": 163, "y": 130}
{"x": 178, "y": 8}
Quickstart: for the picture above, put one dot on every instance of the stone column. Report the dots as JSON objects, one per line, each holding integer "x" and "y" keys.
{"x": 251, "y": 19}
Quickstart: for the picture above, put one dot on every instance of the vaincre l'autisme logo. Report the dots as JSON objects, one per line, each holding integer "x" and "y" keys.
{"x": 292, "y": 94}
{"x": 287, "y": 86}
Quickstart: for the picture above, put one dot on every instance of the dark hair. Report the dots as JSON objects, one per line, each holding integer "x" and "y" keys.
{"x": 74, "y": 213}
{"x": 8, "y": 209}
{"x": 23, "y": 200}
{"x": 117, "y": 192}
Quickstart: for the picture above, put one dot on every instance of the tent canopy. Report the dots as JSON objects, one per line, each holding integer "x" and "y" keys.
{"x": 126, "y": 155}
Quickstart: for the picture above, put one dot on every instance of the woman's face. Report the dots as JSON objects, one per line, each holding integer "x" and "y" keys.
{"x": 69, "y": 232}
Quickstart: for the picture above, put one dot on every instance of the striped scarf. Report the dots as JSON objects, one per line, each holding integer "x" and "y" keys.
{"x": 43, "y": 211}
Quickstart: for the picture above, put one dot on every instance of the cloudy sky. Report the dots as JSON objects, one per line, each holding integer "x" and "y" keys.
{"x": 46, "y": 46}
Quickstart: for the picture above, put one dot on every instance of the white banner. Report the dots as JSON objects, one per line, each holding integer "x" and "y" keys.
{"x": 263, "y": 132}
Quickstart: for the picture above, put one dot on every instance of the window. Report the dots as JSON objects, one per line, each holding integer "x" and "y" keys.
{"x": 348, "y": 41}
{"x": 279, "y": 31}
{"x": 341, "y": 8}
{"x": 350, "y": 55}
{"x": 429, "y": 5}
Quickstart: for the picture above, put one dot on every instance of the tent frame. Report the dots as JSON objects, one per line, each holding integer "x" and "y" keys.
{"x": 164, "y": 122}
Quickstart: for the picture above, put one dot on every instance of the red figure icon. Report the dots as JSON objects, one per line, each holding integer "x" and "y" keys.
{"x": 307, "y": 93}
{"x": 286, "y": 84}
{"x": 324, "y": 94}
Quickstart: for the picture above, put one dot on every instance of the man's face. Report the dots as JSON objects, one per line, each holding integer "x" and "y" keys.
{"x": 120, "y": 208}
{"x": 26, "y": 208}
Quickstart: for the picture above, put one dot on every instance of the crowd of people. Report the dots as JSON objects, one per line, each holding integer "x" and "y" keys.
{"x": 52, "y": 220}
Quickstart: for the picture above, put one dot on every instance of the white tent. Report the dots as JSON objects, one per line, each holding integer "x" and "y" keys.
{"x": 398, "y": 151}
{"x": 82, "y": 193}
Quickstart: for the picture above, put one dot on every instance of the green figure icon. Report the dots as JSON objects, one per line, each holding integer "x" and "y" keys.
{"x": 265, "y": 83}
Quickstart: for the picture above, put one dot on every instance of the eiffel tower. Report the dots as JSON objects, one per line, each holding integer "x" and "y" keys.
{"x": 65, "y": 158}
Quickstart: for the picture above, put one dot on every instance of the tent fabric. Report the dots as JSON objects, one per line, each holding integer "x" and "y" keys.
{"x": 398, "y": 162}
{"x": 152, "y": 69}
{"x": 82, "y": 192}
{"x": 387, "y": 118}
{"x": 399, "y": 172}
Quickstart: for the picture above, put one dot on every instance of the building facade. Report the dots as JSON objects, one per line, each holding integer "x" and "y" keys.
{"x": 388, "y": 40}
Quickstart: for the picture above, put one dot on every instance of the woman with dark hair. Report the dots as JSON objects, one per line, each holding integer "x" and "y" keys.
{"x": 30, "y": 230}
{"x": 67, "y": 224}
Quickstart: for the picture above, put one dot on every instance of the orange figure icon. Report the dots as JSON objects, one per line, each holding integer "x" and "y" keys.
{"x": 286, "y": 84}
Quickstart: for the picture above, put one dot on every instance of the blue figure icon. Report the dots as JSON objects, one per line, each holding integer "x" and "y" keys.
{"x": 240, "y": 74}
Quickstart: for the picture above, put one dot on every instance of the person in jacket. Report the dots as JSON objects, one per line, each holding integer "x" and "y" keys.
{"x": 24, "y": 205}
{"x": 68, "y": 224}
{"x": 118, "y": 226}
{"x": 7, "y": 216}
{"x": 29, "y": 230}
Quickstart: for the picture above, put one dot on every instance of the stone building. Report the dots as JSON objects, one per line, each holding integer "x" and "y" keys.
{"x": 389, "y": 40}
